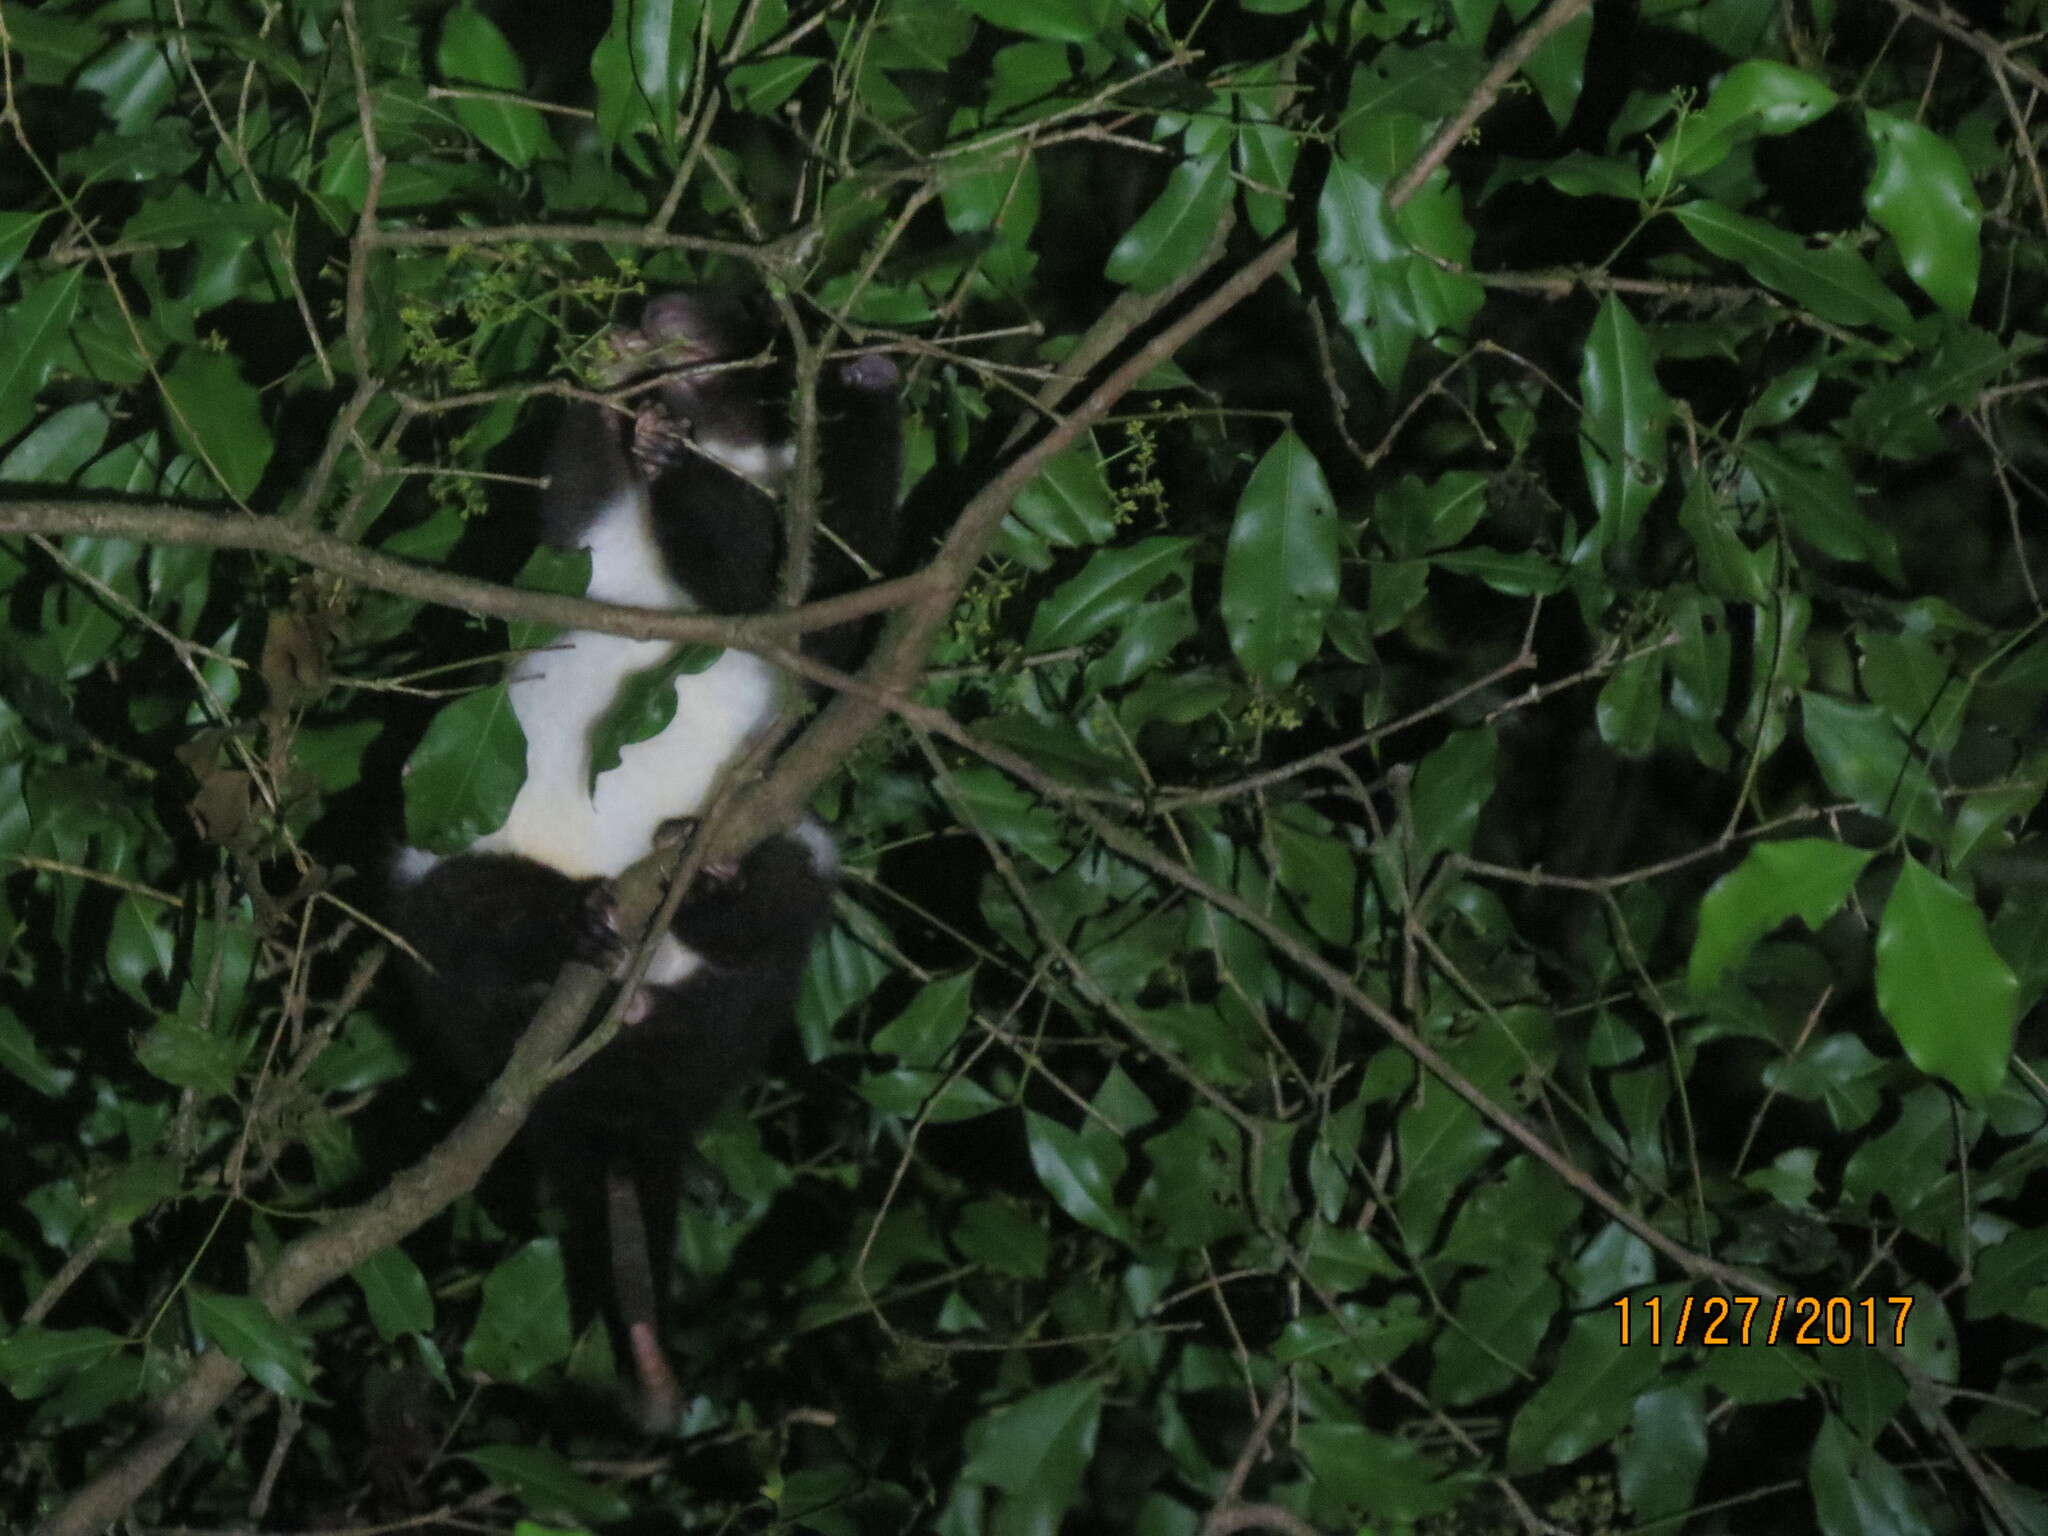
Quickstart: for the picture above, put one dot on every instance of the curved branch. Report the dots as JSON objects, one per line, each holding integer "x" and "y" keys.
{"x": 157, "y": 524}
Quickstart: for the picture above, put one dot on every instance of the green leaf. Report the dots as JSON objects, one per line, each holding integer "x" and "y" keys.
{"x": 923, "y": 1032}
{"x": 1501, "y": 1318}
{"x": 1758, "y": 96}
{"x": 1981, "y": 816}
{"x": 190, "y": 1056}
{"x": 1867, "y": 759}
{"x": 1584, "y": 1400}
{"x": 182, "y": 215}
{"x": 474, "y": 52}
{"x": 1415, "y": 516}
{"x": 1266, "y": 153}
{"x": 1280, "y": 570}
{"x": 549, "y": 1483}
{"x": 1366, "y": 260}
{"x": 766, "y": 84}
{"x": 243, "y": 1329}
{"x": 644, "y": 705}
{"x": 1063, "y": 21}
{"x": 1664, "y": 1452}
{"x": 36, "y": 1361}
{"x": 1004, "y": 1237}
{"x": 1834, "y": 282}
{"x": 938, "y": 1098}
{"x": 1943, "y": 988}
{"x": 642, "y": 68}
{"x": 1148, "y": 637}
{"x": 1728, "y": 568}
{"x": 1170, "y": 236}
{"x": 132, "y": 1191}
{"x": 1921, "y": 196}
{"x": 20, "y": 1056}
{"x": 1041, "y": 1443}
{"x": 217, "y": 417}
{"x": 1814, "y": 493}
{"x": 32, "y": 334}
{"x": 1630, "y": 704}
{"x": 464, "y": 775}
{"x": 1069, "y": 504}
{"x": 1451, "y": 788}
{"x": 1518, "y": 575}
{"x": 1626, "y": 418}
{"x": 397, "y": 1293}
{"x": 17, "y": 231}
{"x": 1382, "y": 1477}
{"x": 1012, "y": 815}
{"x": 1080, "y": 1169}
{"x": 1806, "y": 877}
{"x": 1109, "y": 587}
{"x": 524, "y": 1325}
{"x": 1856, "y": 1492}
{"x": 1314, "y": 863}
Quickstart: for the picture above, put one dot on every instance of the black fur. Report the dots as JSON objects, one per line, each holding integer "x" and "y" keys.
{"x": 495, "y": 927}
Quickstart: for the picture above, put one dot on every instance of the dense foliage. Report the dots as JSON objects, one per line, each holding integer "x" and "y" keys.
{"x": 1460, "y": 793}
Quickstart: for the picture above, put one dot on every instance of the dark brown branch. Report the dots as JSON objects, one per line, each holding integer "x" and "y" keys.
{"x": 324, "y": 551}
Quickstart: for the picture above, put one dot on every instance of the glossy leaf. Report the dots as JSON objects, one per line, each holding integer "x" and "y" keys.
{"x": 474, "y": 52}
{"x": 1834, "y": 283}
{"x": 241, "y": 1328}
{"x": 1944, "y": 989}
{"x": 1664, "y": 1452}
{"x": 1039, "y": 1444}
{"x": 1921, "y": 196}
{"x": 1865, "y": 757}
{"x": 31, "y": 338}
{"x": 523, "y": 1327}
{"x": 1817, "y": 499}
{"x": 1171, "y": 235}
{"x": 1069, "y": 504}
{"x": 20, "y": 1057}
{"x": 1280, "y": 571}
{"x": 1108, "y": 589}
{"x": 1585, "y": 1398}
{"x": 1856, "y": 1492}
{"x": 218, "y": 419}
{"x": 1627, "y": 414}
{"x": 644, "y": 705}
{"x": 549, "y": 1483}
{"x": 463, "y": 777}
{"x": 923, "y": 1033}
{"x": 1757, "y": 96}
{"x": 1080, "y": 1169}
{"x": 35, "y": 1361}
{"x": 642, "y": 67}
{"x": 1806, "y": 877}
{"x": 1451, "y": 788}
{"x": 396, "y": 1292}
{"x": 1365, "y": 260}
{"x": 1063, "y": 21}
{"x": 1630, "y": 704}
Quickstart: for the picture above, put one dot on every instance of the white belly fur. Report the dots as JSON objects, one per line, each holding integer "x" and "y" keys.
{"x": 560, "y": 694}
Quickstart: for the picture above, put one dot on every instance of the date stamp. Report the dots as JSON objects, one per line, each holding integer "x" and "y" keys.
{"x": 1811, "y": 1320}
